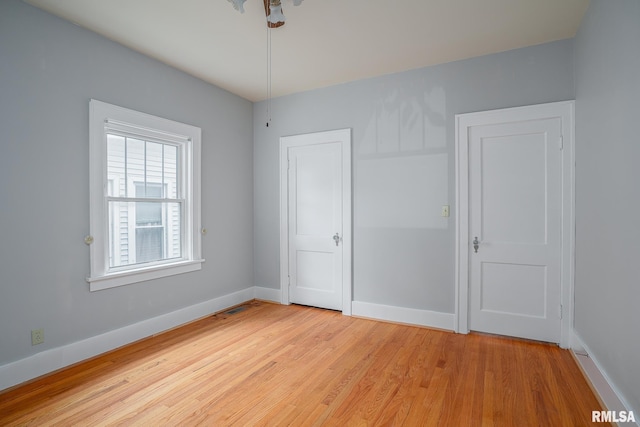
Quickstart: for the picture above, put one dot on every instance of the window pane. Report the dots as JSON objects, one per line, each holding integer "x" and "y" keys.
{"x": 141, "y": 232}
{"x": 119, "y": 234}
{"x": 171, "y": 171}
{"x": 148, "y": 213}
{"x": 135, "y": 164}
{"x": 154, "y": 166}
{"x": 149, "y": 244}
{"x": 116, "y": 165}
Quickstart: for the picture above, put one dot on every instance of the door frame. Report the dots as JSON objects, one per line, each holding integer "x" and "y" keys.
{"x": 564, "y": 110}
{"x": 344, "y": 137}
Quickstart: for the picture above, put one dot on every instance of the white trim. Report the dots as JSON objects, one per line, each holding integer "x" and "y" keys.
{"x": 343, "y": 136}
{"x": 267, "y": 294}
{"x": 568, "y": 221}
{"x": 146, "y": 132}
{"x": 143, "y": 274}
{"x": 411, "y": 316}
{"x": 284, "y": 226}
{"x": 51, "y": 360}
{"x": 565, "y": 110}
{"x": 606, "y": 389}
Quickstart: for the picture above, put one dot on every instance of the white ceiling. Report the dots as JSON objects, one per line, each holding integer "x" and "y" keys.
{"x": 324, "y": 42}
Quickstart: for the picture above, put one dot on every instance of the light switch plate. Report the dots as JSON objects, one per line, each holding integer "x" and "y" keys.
{"x": 445, "y": 210}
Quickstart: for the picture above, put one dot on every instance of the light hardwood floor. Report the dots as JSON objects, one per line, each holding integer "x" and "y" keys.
{"x": 291, "y": 365}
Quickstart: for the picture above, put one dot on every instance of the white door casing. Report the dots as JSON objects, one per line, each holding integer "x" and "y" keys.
{"x": 515, "y": 193}
{"x": 315, "y": 216}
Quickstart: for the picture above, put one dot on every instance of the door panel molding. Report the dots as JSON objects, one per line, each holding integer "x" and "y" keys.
{"x": 343, "y": 136}
{"x": 464, "y": 122}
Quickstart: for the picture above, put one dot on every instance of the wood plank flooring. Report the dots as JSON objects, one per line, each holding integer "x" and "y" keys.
{"x": 290, "y": 365}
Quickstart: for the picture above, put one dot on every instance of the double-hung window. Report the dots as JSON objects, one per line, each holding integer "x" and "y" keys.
{"x": 145, "y": 196}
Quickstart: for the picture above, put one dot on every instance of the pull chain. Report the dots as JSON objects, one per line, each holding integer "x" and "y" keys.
{"x": 268, "y": 75}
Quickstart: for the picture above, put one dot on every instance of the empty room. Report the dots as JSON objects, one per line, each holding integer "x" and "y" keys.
{"x": 315, "y": 212}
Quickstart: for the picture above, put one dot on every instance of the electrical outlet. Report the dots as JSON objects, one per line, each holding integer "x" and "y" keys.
{"x": 37, "y": 336}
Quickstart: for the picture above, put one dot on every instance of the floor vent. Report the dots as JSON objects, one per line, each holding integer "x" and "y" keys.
{"x": 236, "y": 310}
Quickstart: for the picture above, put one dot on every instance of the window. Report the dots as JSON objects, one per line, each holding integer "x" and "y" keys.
{"x": 145, "y": 197}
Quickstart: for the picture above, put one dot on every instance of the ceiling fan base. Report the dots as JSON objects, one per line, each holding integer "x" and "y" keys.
{"x": 267, "y": 11}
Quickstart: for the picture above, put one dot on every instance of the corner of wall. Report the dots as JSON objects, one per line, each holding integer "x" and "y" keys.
{"x": 604, "y": 389}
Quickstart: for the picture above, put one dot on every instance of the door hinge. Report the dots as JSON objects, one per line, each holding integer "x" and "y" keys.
{"x": 560, "y": 311}
{"x": 561, "y": 142}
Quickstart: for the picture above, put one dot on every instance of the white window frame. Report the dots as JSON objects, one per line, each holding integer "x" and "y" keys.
{"x": 104, "y": 117}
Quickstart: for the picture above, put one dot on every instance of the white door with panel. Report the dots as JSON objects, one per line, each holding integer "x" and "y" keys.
{"x": 515, "y": 226}
{"x": 315, "y": 212}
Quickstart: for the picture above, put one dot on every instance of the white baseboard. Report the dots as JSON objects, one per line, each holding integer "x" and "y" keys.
{"x": 412, "y": 316}
{"x": 51, "y": 360}
{"x": 609, "y": 394}
{"x": 268, "y": 294}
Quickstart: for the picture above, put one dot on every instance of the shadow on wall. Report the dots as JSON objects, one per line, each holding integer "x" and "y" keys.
{"x": 401, "y": 160}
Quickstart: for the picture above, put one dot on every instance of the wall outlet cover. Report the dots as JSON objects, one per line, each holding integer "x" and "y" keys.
{"x": 37, "y": 336}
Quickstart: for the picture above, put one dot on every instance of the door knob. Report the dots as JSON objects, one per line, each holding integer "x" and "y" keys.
{"x": 336, "y": 238}
{"x": 476, "y": 244}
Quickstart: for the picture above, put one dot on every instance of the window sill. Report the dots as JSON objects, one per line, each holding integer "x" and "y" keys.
{"x": 113, "y": 280}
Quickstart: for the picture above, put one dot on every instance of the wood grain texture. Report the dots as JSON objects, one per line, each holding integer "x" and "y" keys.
{"x": 273, "y": 365}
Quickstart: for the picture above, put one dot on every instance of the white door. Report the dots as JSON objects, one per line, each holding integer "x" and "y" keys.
{"x": 514, "y": 221}
{"x": 317, "y": 210}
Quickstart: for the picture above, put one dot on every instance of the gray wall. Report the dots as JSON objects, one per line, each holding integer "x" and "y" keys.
{"x": 607, "y": 285}
{"x": 403, "y": 164}
{"x": 403, "y": 138}
{"x": 49, "y": 69}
